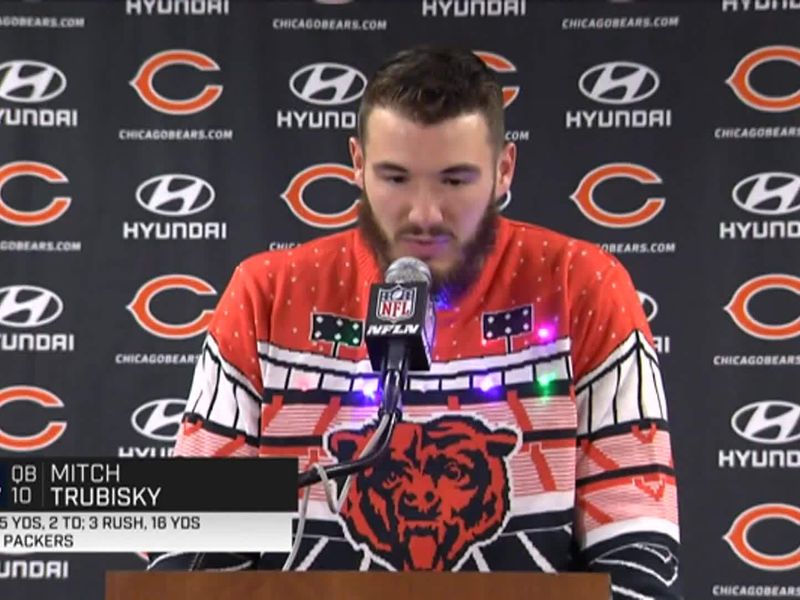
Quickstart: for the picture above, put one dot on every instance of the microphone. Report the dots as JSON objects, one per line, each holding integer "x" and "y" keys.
{"x": 399, "y": 329}
{"x": 400, "y": 319}
{"x": 399, "y": 326}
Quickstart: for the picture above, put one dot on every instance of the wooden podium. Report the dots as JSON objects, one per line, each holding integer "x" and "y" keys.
{"x": 352, "y": 585}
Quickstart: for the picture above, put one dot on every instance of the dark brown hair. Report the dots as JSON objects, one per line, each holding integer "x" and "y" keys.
{"x": 429, "y": 85}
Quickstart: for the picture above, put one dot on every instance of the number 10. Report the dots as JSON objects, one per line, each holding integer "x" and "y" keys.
{"x": 21, "y": 495}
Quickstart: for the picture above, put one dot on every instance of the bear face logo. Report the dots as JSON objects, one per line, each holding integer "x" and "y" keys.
{"x": 442, "y": 488}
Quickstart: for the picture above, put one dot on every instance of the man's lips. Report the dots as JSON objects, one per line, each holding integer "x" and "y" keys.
{"x": 422, "y": 246}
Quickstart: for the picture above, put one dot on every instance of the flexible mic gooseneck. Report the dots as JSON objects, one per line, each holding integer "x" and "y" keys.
{"x": 399, "y": 333}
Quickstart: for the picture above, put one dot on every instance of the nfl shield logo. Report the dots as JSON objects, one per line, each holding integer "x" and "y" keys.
{"x": 396, "y": 304}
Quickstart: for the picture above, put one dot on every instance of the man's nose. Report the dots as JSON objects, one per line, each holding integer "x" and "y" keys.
{"x": 426, "y": 211}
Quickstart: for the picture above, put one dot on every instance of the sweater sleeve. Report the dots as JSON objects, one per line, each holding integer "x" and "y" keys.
{"x": 222, "y": 414}
{"x": 626, "y": 493}
{"x": 222, "y": 417}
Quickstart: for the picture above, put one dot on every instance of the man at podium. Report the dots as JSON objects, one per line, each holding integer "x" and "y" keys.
{"x": 537, "y": 441}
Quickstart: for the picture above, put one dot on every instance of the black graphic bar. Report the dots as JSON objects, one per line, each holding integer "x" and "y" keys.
{"x": 149, "y": 484}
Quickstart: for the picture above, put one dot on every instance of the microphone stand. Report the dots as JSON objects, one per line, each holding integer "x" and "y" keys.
{"x": 394, "y": 377}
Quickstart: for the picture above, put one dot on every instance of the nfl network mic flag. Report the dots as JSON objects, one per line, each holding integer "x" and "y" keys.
{"x": 400, "y": 311}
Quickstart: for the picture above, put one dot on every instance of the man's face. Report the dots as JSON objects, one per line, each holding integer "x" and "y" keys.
{"x": 429, "y": 190}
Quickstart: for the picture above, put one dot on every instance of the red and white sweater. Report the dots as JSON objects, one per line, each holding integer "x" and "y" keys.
{"x": 537, "y": 441}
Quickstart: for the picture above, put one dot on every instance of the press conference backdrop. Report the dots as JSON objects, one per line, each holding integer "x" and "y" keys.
{"x": 146, "y": 147}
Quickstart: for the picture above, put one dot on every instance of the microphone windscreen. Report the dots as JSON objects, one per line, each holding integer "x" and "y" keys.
{"x": 408, "y": 269}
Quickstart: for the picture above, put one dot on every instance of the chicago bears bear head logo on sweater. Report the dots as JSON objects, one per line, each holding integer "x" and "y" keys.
{"x": 442, "y": 489}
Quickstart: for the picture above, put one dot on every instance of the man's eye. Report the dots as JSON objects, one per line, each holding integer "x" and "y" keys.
{"x": 454, "y": 182}
{"x": 395, "y": 178}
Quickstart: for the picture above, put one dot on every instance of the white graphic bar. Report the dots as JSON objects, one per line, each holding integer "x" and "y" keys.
{"x": 23, "y": 532}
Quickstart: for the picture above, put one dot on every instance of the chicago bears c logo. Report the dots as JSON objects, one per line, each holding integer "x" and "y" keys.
{"x": 743, "y": 87}
{"x": 142, "y": 312}
{"x": 500, "y": 64}
{"x": 737, "y": 537}
{"x": 31, "y": 218}
{"x": 143, "y": 82}
{"x": 739, "y": 306}
{"x": 584, "y": 196}
{"x": 294, "y": 196}
{"x": 443, "y": 488}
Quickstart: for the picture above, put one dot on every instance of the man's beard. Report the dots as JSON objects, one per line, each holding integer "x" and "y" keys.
{"x": 450, "y": 285}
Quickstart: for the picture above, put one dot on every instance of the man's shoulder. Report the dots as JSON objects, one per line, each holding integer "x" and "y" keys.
{"x": 553, "y": 246}
{"x": 318, "y": 250}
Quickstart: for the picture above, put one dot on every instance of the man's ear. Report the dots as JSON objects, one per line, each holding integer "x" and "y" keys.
{"x": 357, "y": 156}
{"x": 506, "y": 163}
